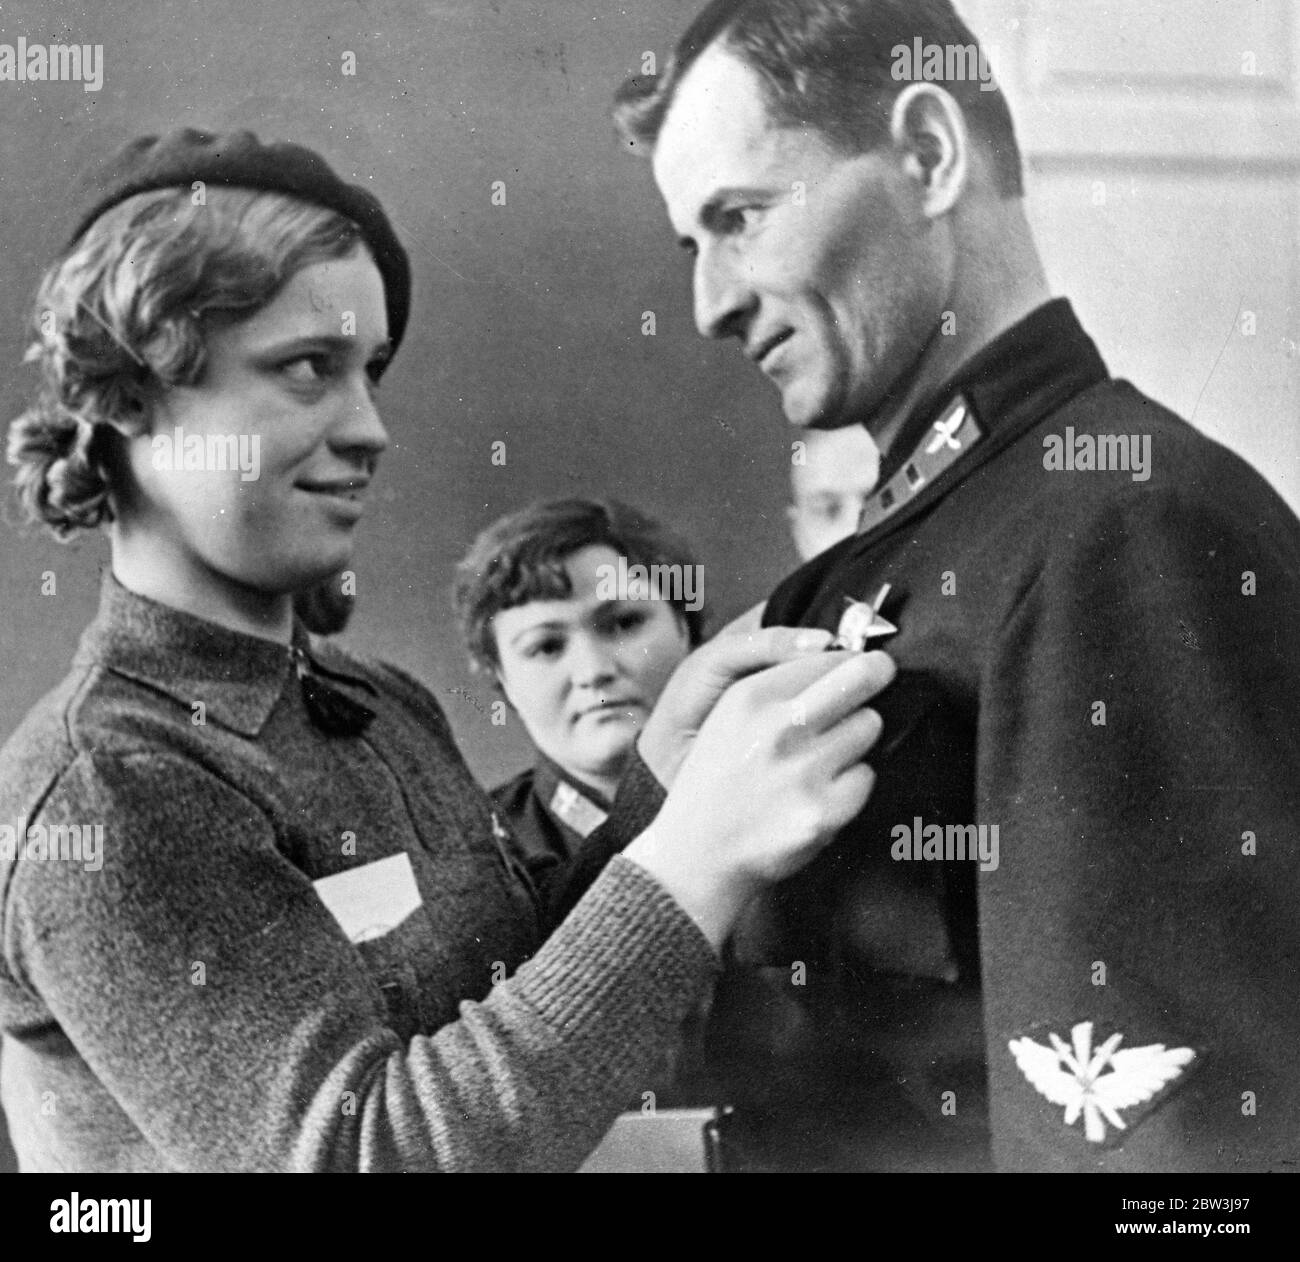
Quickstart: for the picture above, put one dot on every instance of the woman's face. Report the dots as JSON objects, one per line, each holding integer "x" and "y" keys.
{"x": 584, "y": 673}
{"x": 256, "y": 477}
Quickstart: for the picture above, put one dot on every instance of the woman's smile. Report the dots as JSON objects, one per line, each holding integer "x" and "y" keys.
{"x": 345, "y": 496}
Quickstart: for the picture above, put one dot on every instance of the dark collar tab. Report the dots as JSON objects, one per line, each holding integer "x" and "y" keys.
{"x": 330, "y": 709}
{"x": 947, "y": 441}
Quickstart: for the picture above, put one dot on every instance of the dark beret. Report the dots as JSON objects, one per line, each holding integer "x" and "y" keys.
{"x": 241, "y": 160}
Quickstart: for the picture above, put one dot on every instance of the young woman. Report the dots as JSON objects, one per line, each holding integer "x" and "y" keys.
{"x": 300, "y": 943}
{"x": 580, "y": 659}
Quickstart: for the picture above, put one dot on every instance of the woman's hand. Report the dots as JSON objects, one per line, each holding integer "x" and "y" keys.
{"x": 740, "y": 649}
{"x": 773, "y": 773}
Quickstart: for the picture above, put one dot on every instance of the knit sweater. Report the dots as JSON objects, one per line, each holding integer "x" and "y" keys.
{"x": 185, "y": 999}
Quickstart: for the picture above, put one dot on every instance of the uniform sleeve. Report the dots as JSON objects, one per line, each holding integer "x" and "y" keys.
{"x": 212, "y": 995}
{"x": 1138, "y": 751}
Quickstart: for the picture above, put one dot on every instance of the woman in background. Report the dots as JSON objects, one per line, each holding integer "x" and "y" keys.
{"x": 255, "y": 914}
{"x": 579, "y": 660}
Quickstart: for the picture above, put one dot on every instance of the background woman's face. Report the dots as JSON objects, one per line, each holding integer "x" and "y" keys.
{"x": 266, "y": 480}
{"x": 584, "y": 673}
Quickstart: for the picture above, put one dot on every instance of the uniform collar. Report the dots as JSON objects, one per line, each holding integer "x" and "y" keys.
{"x": 1026, "y": 372}
{"x": 238, "y": 677}
{"x": 576, "y": 805}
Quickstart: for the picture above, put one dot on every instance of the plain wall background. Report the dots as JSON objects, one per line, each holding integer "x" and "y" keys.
{"x": 527, "y": 321}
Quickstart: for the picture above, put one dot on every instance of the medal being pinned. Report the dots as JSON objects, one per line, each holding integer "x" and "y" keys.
{"x": 861, "y": 623}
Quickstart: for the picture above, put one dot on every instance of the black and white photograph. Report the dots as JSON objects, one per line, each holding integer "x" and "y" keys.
{"x": 706, "y": 586}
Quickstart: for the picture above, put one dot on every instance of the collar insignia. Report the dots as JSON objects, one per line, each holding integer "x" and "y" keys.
{"x": 941, "y": 446}
{"x": 1097, "y": 1084}
{"x": 861, "y": 623}
{"x": 579, "y": 812}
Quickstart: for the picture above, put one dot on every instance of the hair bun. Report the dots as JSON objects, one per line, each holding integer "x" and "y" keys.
{"x": 58, "y": 480}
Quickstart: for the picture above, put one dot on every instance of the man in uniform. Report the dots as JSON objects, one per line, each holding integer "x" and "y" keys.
{"x": 1063, "y": 934}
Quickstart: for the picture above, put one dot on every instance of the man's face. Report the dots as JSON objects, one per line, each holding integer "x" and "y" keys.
{"x": 823, "y": 265}
{"x": 830, "y": 488}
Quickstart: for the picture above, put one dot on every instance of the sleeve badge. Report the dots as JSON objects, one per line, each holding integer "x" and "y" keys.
{"x": 1097, "y": 1084}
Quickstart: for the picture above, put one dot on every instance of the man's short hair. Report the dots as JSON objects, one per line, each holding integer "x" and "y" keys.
{"x": 829, "y": 65}
{"x": 520, "y": 558}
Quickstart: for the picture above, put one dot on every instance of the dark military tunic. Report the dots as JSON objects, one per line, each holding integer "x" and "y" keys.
{"x": 550, "y": 815}
{"x": 1102, "y": 663}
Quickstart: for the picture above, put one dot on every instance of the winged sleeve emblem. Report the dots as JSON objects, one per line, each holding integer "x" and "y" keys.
{"x": 1096, "y": 1085}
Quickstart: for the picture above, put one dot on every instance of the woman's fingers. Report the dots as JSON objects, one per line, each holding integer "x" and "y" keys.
{"x": 851, "y": 740}
{"x": 748, "y": 622}
{"x": 704, "y": 677}
{"x": 857, "y": 677}
{"x": 848, "y": 794}
{"x": 729, "y": 658}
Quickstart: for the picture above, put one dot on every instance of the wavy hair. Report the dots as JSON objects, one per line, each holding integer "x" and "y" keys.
{"x": 121, "y": 317}
{"x": 520, "y": 558}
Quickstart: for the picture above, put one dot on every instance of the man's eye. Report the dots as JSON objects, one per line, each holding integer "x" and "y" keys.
{"x": 373, "y": 376}
{"x": 740, "y": 217}
{"x": 631, "y": 620}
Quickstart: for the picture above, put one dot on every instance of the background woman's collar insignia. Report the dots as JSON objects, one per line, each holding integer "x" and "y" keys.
{"x": 1096, "y": 1083}
{"x": 575, "y": 809}
{"x": 939, "y": 448}
{"x": 861, "y": 623}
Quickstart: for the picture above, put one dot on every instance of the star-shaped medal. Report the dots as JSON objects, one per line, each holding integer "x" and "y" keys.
{"x": 861, "y": 623}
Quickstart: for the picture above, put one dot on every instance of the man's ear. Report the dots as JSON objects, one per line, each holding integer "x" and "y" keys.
{"x": 927, "y": 127}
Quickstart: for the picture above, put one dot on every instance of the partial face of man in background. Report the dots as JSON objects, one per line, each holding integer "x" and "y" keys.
{"x": 830, "y": 480}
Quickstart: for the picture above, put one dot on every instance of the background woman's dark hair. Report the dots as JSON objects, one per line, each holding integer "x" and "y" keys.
{"x": 520, "y": 558}
{"x": 121, "y": 316}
